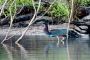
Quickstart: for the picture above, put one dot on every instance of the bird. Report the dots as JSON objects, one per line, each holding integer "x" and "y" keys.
{"x": 59, "y": 33}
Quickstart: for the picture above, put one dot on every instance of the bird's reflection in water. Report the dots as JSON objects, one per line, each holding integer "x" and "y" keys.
{"x": 9, "y": 53}
{"x": 51, "y": 46}
{"x": 47, "y": 48}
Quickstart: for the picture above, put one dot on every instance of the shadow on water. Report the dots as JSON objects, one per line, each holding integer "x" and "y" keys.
{"x": 79, "y": 48}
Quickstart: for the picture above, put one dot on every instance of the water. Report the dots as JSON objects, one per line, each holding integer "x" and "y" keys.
{"x": 43, "y": 49}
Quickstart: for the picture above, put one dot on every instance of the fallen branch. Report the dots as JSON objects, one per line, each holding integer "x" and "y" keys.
{"x": 6, "y": 20}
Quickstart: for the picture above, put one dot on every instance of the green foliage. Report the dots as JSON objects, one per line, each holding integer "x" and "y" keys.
{"x": 1, "y": 2}
{"x": 19, "y": 3}
{"x": 59, "y": 10}
{"x": 24, "y": 2}
{"x": 12, "y": 7}
{"x": 84, "y": 2}
{"x": 10, "y": 10}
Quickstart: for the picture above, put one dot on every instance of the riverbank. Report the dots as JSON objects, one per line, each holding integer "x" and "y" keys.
{"x": 33, "y": 30}
{"x": 33, "y": 33}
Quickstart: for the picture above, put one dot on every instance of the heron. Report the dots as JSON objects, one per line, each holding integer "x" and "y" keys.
{"x": 59, "y": 33}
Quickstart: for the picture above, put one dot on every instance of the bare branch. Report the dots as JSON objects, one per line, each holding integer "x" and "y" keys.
{"x": 46, "y": 10}
{"x": 3, "y": 6}
{"x": 70, "y": 18}
{"x": 30, "y": 23}
{"x": 11, "y": 21}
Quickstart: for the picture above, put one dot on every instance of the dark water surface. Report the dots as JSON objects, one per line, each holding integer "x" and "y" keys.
{"x": 43, "y": 49}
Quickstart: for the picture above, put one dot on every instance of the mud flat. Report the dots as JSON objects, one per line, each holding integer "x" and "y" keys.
{"x": 33, "y": 30}
{"x": 33, "y": 33}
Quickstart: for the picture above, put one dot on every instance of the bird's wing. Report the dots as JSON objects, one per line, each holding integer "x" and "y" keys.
{"x": 58, "y": 32}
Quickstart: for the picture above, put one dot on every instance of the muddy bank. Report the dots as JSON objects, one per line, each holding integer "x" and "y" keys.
{"x": 33, "y": 30}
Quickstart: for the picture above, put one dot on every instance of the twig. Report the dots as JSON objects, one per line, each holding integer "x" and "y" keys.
{"x": 30, "y": 21}
{"x": 46, "y": 10}
{"x": 33, "y": 18}
{"x": 9, "y": 53}
{"x": 70, "y": 18}
{"x": 11, "y": 20}
{"x": 2, "y": 8}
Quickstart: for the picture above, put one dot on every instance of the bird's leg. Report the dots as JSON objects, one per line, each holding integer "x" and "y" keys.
{"x": 62, "y": 40}
{"x": 58, "y": 41}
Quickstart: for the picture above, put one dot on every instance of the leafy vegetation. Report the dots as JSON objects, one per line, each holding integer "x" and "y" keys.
{"x": 24, "y": 2}
{"x": 1, "y": 2}
{"x": 18, "y": 2}
{"x": 84, "y": 2}
{"x": 12, "y": 5}
{"x": 59, "y": 10}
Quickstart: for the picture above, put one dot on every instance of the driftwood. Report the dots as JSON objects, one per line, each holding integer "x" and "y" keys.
{"x": 6, "y": 20}
{"x": 22, "y": 18}
{"x": 82, "y": 23}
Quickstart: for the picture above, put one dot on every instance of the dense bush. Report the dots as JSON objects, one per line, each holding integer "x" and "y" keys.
{"x": 1, "y": 2}
{"x": 84, "y": 2}
{"x": 60, "y": 10}
{"x": 16, "y": 5}
{"x": 24, "y": 2}
{"x": 18, "y": 2}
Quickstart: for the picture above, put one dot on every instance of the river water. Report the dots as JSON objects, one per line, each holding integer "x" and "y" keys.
{"x": 43, "y": 49}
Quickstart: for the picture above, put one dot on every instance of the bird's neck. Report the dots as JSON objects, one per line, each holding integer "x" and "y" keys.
{"x": 46, "y": 28}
